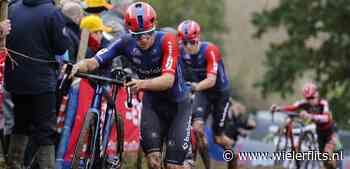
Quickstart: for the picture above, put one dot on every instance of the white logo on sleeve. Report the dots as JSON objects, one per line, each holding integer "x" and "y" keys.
{"x": 170, "y": 59}
{"x": 215, "y": 64}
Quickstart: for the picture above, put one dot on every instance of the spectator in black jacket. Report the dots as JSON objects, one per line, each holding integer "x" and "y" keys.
{"x": 37, "y": 32}
{"x": 73, "y": 13}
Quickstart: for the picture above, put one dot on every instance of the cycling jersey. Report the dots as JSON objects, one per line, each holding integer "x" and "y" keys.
{"x": 322, "y": 116}
{"x": 207, "y": 61}
{"x": 159, "y": 59}
{"x": 320, "y": 113}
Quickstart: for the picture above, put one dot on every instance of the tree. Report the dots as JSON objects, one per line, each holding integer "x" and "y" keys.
{"x": 318, "y": 44}
{"x": 209, "y": 14}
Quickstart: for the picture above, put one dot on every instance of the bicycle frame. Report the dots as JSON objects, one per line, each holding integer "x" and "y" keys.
{"x": 100, "y": 134}
{"x": 95, "y": 109}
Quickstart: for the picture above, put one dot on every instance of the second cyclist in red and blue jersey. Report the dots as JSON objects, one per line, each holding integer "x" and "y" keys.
{"x": 205, "y": 69}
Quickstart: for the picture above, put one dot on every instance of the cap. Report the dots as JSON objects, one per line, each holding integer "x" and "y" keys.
{"x": 93, "y": 23}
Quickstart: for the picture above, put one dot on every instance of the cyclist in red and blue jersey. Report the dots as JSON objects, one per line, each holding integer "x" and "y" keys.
{"x": 153, "y": 55}
{"x": 205, "y": 70}
{"x": 316, "y": 109}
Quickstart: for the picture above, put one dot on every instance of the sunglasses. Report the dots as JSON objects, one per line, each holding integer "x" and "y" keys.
{"x": 140, "y": 35}
{"x": 310, "y": 98}
{"x": 189, "y": 42}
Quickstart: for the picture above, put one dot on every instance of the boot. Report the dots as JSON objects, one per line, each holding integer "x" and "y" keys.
{"x": 46, "y": 157}
{"x": 17, "y": 147}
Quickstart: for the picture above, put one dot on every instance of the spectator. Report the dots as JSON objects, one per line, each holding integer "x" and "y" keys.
{"x": 96, "y": 6}
{"x": 95, "y": 27}
{"x": 73, "y": 14}
{"x": 238, "y": 122}
{"x": 114, "y": 18}
{"x": 37, "y": 33}
{"x": 5, "y": 28}
{"x": 63, "y": 2}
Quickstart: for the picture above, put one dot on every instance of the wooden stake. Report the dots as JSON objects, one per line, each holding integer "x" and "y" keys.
{"x": 3, "y": 16}
{"x": 83, "y": 45}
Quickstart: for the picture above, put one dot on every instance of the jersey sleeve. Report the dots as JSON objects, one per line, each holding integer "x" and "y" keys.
{"x": 107, "y": 54}
{"x": 293, "y": 107}
{"x": 170, "y": 54}
{"x": 325, "y": 116}
{"x": 212, "y": 55}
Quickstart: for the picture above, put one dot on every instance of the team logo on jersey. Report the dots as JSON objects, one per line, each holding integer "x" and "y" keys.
{"x": 102, "y": 51}
{"x": 187, "y": 56}
{"x": 136, "y": 52}
{"x": 136, "y": 60}
{"x": 156, "y": 59}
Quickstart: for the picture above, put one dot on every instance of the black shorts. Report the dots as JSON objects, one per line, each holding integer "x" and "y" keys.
{"x": 217, "y": 104}
{"x": 164, "y": 121}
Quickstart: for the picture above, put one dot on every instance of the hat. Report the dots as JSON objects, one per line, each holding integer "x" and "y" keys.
{"x": 97, "y": 4}
{"x": 93, "y": 23}
{"x": 71, "y": 9}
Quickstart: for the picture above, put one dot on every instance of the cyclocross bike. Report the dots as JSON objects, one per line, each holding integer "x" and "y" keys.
{"x": 91, "y": 148}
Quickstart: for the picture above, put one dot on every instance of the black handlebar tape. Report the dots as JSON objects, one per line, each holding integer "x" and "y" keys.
{"x": 129, "y": 93}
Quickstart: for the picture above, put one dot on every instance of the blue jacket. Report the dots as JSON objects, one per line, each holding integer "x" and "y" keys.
{"x": 37, "y": 31}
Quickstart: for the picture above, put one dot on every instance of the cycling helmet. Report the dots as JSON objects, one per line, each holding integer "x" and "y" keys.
{"x": 140, "y": 17}
{"x": 189, "y": 30}
{"x": 309, "y": 90}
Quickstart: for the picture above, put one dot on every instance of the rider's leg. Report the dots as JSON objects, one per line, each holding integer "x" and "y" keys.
{"x": 189, "y": 162}
{"x": 329, "y": 149}
{"x": 200, "y": 106}
{"x": 233, "y": 163}
{"x": 198, "y": 126}
{"x": 154, "y": 160}
{"x": 178, "y": 143}
{"x": 151, "y": 133}
{"x": 221, "y": 107}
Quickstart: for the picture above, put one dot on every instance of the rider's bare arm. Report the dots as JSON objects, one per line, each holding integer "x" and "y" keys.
{"x": 207, "y": 83}
{"x": 163, "y": 82}
{"x": 88, "y": 65}
{"x": 212, "y": 56}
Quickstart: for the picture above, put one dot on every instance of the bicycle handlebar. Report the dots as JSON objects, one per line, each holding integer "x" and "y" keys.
{"x": 99, "y": 78}
{"x": 121, "y": 76}
{"x": 291, "y": 114}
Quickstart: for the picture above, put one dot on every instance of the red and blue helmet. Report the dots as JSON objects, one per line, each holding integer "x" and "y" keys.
{"x": 189, "y": 30}
{"x": 310, "y": 90}
{"x": 140, "y": 17}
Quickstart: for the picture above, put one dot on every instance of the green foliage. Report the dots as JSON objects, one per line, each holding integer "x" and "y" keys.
{"x": 325, "y": 21}
{"x": 209, "y": 14}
